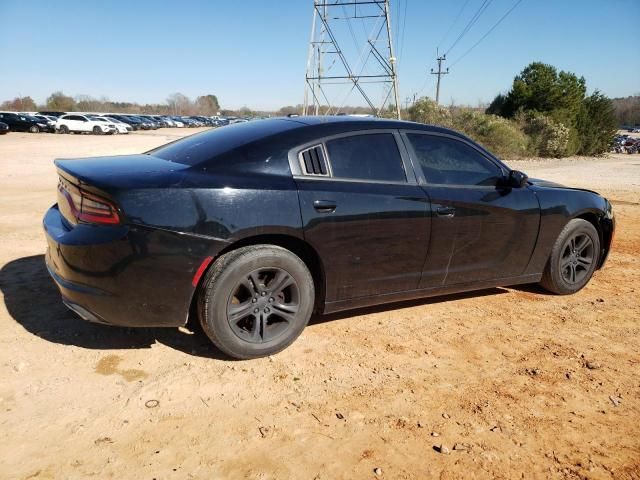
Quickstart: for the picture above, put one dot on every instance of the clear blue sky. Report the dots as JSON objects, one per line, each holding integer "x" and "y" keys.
{"x": 253, "y": 52}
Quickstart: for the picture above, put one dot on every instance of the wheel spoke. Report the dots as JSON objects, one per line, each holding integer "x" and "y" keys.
{"x": 239, "y": 311}
{"x": 281, "y": 281}
{"x": 572, "y": 274}
{"x": 565, "y": 262}
{"x": 582, "y": 244}
{"x": 285, "y": 311}
{"x": 258, "y": 328}
{"x": 584, "y": 261}
{"x": 257, "y": 285}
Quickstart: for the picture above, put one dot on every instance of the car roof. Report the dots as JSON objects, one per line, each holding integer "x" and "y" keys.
{"x": 346, "y": 123}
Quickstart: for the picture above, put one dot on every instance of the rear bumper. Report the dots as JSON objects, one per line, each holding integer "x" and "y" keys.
{"x": 122, "y": 275}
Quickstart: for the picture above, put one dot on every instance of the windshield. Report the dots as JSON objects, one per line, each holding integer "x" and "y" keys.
{"x": 200, "y": 148}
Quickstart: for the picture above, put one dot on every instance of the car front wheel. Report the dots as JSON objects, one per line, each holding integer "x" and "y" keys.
{"x": 97, "y": 130}
{"x": 573, "y": 258}
{"x": 256, "y": 300}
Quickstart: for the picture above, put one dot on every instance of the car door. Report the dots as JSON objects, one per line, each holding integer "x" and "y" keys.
{"x": 481, "y": 229}
{"x": 363, "y": 212}
{"x": 83, "y": 123}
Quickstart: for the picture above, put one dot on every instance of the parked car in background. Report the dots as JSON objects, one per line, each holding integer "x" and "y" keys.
{"x": 75, "y": 123}
{"x": 144, "y": 123}
{"x": 345, "y": 213}
{"x": 120, "y": 127}
{"x": 50, "y": 121}
{"x": 132, "y": 122}
{"x": 23, "y": 123}
{"x": 119, "y": 123}
{"x": 52, "y": 113}
{"x": 169, "y": 121}
{"x": 155, "y": 123}
{"x": 187, "y": 122}
{"x": 4, "y": 128}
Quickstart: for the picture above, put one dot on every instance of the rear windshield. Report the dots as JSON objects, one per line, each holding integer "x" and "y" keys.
{"x": 200, "y": 148}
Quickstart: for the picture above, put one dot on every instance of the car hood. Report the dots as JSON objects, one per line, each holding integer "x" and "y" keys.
{"x": 538, "y": 182}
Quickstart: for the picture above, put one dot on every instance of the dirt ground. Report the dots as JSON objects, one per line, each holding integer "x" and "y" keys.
{"x": 515, "y": 383}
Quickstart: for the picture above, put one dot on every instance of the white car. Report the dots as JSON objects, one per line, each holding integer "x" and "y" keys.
{"x": 82, "y": 123}
{"x": 121, "y": 127}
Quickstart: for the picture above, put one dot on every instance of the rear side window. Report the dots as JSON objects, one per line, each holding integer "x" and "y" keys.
{"x": 446, "y": 161}
{"x": 372, "y": 157}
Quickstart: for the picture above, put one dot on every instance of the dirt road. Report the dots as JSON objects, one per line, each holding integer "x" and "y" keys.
{"x": 513, "y": 382}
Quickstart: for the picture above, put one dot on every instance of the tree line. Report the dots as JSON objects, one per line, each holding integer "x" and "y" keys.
{"x": 176, "y": 104}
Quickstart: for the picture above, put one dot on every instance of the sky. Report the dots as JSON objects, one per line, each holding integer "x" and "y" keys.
{"x": 253, "y": 52}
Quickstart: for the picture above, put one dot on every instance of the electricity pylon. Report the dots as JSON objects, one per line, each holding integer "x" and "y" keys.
{"x": 336, "y": 69}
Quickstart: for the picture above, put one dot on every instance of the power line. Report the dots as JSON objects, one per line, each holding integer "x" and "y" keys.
{"x": 471, "y": 23}
{"x": 453, "y": 23}
{"x": 488, "y": 32}
{"x": 400, "y": 45}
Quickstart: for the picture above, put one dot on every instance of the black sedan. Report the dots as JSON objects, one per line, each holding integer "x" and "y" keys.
{"x": 24, "y": 123}
{"x": 255, "y": 226}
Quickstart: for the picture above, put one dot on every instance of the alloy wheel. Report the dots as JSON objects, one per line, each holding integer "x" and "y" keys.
{"x": 263, "y": 305}
{"x": 577, "y": 258}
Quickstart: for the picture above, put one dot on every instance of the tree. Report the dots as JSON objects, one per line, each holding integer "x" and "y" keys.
{"x": 207, "y": 105}
{"x": 19, "y": 104}
{"x": 540, "y": 88}
{"x": 179, "y": 104}
{"x": 596, "y": 124}
{"x": 58, "y": 101}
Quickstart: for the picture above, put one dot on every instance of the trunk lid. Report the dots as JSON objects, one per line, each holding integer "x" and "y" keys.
{"x": 120, "y": 172}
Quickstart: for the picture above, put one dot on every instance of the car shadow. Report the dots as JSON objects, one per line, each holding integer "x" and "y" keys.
{"x": 33, "y": 300}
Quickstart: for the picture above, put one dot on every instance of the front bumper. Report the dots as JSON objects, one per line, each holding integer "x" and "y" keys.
{"x": 122, "y": 275}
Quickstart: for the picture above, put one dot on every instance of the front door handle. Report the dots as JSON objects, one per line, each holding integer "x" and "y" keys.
{"x": 445, "y": 211}
{"x": 324, "y": 206}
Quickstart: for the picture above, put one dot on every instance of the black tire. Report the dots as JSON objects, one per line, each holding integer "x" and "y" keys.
{"x": 34, "y": 129}
{"x": 63, "y": 129}
{"x": 239, "y": 284}
{"x": 574, "y": 257}
{"x": 97, "y": 130}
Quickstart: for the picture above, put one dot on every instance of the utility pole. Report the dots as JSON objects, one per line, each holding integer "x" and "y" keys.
{"x": 439, "y": 73}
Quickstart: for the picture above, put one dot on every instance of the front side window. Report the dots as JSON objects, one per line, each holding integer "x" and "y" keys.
{"x": 446, "y": 161}
{"x": 373, "y": 157}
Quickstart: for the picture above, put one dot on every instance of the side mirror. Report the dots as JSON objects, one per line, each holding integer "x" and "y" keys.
{"x": 517, "y": 179}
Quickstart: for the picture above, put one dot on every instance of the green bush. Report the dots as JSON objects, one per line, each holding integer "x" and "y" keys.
{"x": 427, "y": 111}
{"x": 500, "y": 136}
{"x": 547, "y": 138}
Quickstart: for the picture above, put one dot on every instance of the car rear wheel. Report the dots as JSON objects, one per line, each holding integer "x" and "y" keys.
{"x": 34, "y": 129}
{"x": 63, "y": 129}
{"x": 573, "y": 258}
{"x": 97, "y": 130}
{"x": 255, "y": 301}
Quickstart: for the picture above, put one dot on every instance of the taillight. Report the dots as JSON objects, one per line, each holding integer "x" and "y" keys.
{"x": 87, "y": 207}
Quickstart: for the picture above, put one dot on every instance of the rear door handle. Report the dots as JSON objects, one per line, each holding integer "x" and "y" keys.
{"x": 324, "y": 206}
{"x": 445, "y": 211}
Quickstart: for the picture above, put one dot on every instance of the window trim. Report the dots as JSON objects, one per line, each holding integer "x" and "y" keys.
{"x": 422, "y": 180}
{"x": 298, "y": 173}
